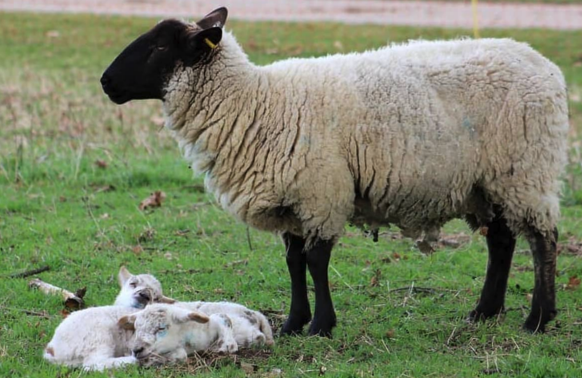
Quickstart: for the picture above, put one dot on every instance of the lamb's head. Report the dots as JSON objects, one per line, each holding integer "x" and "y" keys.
{"x": 159, "y": 332}
{"x": 139, "y": 290}
{"x": 144, "y": 68}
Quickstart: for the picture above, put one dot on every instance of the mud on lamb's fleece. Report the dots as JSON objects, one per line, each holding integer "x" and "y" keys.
{"x": 412, "y": 135}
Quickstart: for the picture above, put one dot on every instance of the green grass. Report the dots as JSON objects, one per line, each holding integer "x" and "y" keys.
{"x": 55, "y": 124}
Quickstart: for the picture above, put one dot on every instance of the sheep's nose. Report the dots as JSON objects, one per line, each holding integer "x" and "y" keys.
{"x": 105, "y": 80}
{"x": 144, "y": 296}
{"x": 138, "y": 350}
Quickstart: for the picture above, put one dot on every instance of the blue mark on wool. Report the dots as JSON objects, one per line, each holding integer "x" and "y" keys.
{"x": 467, "y": 124}
{"x": 162, "y": 333}
{"x": 138, "y": 305}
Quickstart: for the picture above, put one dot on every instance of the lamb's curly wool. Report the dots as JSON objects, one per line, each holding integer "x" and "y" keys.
{"x": 413, "y": 134}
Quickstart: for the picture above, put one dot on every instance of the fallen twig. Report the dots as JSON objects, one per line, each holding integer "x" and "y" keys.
{"x": 31, "y": 272}
{"x": 72, "y": 300}
{"x": 418, "y": 289}
{"x": 42, "y": 314}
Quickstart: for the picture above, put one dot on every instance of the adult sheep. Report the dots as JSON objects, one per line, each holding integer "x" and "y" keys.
{"x": 412, "y": 135}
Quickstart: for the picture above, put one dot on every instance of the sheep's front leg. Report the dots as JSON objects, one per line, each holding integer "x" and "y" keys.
{"x": 300, "y": 313}
{"x": 318, "y": 256}
{"x": 543, "y": 305}
{"x": 501, "y": 244}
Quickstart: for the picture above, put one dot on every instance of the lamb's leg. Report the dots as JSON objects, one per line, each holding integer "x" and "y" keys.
{"x": 100, "y": 363}
{"x": 543, "y": 305}
{"x": 501, "y": 244}
{"x": 318, "y": 262}
{"x": 300, "y": 313}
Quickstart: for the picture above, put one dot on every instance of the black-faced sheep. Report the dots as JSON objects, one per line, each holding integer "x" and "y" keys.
{"x": 412, "y": 135}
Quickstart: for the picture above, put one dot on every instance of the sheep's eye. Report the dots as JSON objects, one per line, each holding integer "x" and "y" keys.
{"x": 133, "y": 285}
{"x": 161, "y": 47}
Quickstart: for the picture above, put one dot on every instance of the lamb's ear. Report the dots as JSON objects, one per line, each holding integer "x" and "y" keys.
{"x": 182, "y": 316}
{"x": 205, "y": 40}
{"x": 216, "y": 18}
{"x": 167, "y": 300}
{"x": 127, "y": 322}
{"x": 123, "y": 275}
{"x": 198, "y": 317}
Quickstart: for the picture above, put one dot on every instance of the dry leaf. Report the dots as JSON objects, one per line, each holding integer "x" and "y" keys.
{"x": 137, "y": 249}
{"x": 396, "y": 256}
{"x": 64, "y": 313}
{"x": 154, "y": 200}
{"x": 483, "y": 231}
{"x": 529, "y": 297}
{"x": 375, "y": 281}
{"x": 101, "y": 164}
{"x": 390, "y": 334}
{"x": 53, "y": 34}
{"x": 573, "y": 283}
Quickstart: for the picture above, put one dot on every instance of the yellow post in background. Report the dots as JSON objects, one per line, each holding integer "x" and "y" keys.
{"x": 475, "y": 19}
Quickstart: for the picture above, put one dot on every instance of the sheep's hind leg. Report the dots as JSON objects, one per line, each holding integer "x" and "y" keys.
{"x": 318, "y": 256}
{"x": 543, "y": 305}
{"x": 300, "y": 313}
{"x": 501, "y": 245}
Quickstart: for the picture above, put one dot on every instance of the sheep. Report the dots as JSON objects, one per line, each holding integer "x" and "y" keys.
{"x": 250, "y": 327}
{"x": 411, "y": 135}
{"x": 139, "y": 290}
{"x": 167, "y": 333}
{"x": 91, "y": 339}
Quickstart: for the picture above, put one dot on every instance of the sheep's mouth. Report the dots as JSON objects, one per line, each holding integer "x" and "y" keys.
{"x": 118, "y": 98}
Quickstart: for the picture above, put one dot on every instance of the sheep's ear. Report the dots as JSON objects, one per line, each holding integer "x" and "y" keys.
{"x": 182, "y": 316}
{"x": 167, "y": 300}
{"x": 216, "y": 18}
{"x": 123, "y": 275}
{"x": 198, "y": 317}
{"x": 205, "y": 40}
{"x": 127, "y": 322}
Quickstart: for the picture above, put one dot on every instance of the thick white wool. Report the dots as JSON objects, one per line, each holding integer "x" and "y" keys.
{"x": 412, "y": 135}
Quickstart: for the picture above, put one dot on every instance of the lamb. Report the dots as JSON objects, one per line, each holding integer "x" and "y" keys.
{"x": 412, "y": 135}
{"x": 167, "y": 333}
{"x": 139, "y": 290}
{"x": 91, "y": 338}
{"x": 250, "y": 327}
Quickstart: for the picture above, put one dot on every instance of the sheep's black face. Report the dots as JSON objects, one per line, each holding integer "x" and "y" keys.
{"x": 143, "y": 69}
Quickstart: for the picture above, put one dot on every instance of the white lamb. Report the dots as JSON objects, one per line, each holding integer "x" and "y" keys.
{"x": 91, "y": 338}
{"x": 139, "y": 290}
{"x": 249, "y": 327}
{"x": 412, "y": 135}
{"x": 166, "y": 333}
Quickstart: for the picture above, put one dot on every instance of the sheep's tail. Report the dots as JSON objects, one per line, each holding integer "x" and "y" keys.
{"x": 265, "y": 327}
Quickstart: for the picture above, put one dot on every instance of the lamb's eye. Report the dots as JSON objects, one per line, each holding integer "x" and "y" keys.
{"x": 161, "y": 47}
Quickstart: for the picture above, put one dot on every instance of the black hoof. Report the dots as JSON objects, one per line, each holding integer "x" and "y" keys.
{"x": 294, "y": 326}
{"x": 536, "y": 323}
{"x": 323, "y": 327}
{"x": 482, "y": 315}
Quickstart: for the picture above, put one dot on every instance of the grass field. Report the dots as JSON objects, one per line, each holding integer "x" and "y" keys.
{"x": 74, "y": 167}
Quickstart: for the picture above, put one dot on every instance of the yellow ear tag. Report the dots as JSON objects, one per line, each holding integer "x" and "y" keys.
{"x": 210, "y": 44}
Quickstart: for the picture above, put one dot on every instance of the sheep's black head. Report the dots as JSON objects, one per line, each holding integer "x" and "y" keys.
{"x": 144, "y": 68}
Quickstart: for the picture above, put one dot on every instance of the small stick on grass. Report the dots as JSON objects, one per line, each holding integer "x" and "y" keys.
{"x": 249, "y": 239}
{"x": 71, "y": 300}
{"x": 31, "y": 272}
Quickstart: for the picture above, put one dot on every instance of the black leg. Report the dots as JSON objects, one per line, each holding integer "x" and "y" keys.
{"x": 501, "y": 244}
{"x": 300, "y": 313}
{"x": 318, "y": 257}
{"x": 543, "y": 305}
